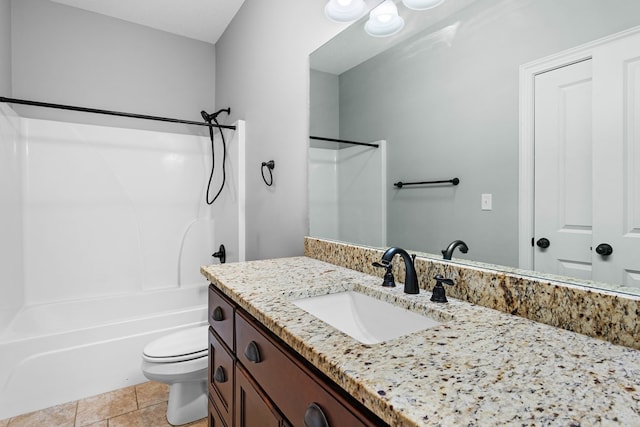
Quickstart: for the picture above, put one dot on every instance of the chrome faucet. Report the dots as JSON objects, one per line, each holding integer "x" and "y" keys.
{"x": 411, "y": 278}
{"x": 447, "y": 253}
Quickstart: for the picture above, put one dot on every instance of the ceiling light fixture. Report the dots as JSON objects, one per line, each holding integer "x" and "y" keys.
{"x": 384, "y": 20}
{"x": 344, "y": 10}
{"x": 422, "y": 4}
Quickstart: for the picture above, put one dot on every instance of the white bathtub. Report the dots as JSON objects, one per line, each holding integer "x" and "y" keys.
{"x": 59, "y": 352}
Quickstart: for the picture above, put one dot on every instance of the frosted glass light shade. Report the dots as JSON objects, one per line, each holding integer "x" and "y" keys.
{"x": 344, "y": 10}
{"x": 422, "y": 4}
{"x": 384, "y": 20}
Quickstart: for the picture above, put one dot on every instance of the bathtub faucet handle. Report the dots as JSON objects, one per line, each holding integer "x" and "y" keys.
{"x": 221, "y": 254}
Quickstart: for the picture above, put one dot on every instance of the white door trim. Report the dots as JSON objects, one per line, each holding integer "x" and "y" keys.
{"x": 528, "y": 73}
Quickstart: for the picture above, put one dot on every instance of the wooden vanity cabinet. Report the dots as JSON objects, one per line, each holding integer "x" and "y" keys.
{"x": 271, "y": 384}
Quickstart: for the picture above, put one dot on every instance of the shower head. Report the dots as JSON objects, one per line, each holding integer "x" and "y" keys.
{"x": 208, "y": 117}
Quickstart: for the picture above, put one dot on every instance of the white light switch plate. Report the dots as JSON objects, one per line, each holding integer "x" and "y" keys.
{"x": 486, "y": 202}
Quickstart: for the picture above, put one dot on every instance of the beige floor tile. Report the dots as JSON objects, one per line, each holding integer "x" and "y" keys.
{"x": 151, "y": 393}
{"x": 151, "y": 416}
{"x": 107, "y": 405}
{"x": 201, "y": 423}
{"x": 56, "y": 416}
{"x": 114, "y": 409}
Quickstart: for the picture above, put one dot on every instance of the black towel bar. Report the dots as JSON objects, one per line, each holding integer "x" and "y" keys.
{"x": 454, "y": 181}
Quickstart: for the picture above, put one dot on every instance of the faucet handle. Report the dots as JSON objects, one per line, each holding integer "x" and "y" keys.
{"x": 383, "y": 263}
{"x": 441, "y": 279}
{"x": 389, "y": 280}
{"x": 439, "y": 294}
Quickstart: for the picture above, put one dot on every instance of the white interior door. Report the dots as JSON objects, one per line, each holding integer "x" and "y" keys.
{"x": 616, "y": 132}
{"x": 563, "y": 173}
{"x": 587, "y": 165}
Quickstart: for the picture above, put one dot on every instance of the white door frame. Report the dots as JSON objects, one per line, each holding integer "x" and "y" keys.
{"x": 526, "y": 177}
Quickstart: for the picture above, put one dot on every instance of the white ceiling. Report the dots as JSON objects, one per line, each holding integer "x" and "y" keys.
{"x": 354, "y": 46}
{"x": 203, "y": 20}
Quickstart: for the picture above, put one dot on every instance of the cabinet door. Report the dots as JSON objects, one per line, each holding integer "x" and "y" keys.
{"x": 252, "y": 407}
{"x": 214, "y": 417}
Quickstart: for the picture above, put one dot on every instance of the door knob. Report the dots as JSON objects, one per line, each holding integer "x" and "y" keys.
{"x": 543, "y": 243}
{"x": 604, "y": 249}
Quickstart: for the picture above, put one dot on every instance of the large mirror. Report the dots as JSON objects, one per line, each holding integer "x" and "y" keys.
{"x": 442, "y": 100}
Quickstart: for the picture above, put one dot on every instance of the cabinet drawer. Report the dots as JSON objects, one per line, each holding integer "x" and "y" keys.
{"x": 221, "y": 316}
{"x": 272, "y": 366}
{"x": 221, "y": 378}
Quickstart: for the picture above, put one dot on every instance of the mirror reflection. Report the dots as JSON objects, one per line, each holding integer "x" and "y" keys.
{"x": 444, "y": 99}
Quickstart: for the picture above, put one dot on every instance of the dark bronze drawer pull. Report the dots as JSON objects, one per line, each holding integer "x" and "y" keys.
{"x": 219, "y": 376}
{"x": 314, "y": 417}
{"x": 217, "y": 315}
{"x": 252, "y": 353}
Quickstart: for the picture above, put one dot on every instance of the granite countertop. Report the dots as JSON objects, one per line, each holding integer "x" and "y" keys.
{"x": 479, "y": 367}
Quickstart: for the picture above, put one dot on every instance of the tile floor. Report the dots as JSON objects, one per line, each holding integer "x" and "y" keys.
{"x": 143, "y": 405}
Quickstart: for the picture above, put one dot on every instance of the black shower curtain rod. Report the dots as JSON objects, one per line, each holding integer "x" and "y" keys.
{"x": 322, "y": 138}
{"x": 111, "y": 113}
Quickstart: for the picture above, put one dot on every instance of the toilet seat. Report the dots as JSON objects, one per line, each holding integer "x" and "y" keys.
{"x": 187, "y": 344}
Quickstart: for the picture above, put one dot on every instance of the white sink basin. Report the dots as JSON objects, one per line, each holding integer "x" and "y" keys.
{"x": 367, "y": 319}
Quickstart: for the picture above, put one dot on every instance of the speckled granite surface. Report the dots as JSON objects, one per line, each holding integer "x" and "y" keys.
{"x": 481, "y": 367}
{"x": 600, "y": 314}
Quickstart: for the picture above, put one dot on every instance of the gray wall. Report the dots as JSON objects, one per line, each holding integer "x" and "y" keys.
{"x": 262, "y": 72}
{"x": 5, "y": 47}
{"x": 324, "y": 105}
{"x": 67, "y": 55}
{"x": 451, "y": 109}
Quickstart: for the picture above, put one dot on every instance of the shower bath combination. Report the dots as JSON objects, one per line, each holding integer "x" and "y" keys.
{"x": 146, "y": 293}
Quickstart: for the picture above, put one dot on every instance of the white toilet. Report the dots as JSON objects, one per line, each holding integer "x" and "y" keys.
{"x": 180, "y": 360}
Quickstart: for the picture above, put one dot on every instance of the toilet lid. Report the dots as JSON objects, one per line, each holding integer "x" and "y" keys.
{"x": 186, "y": 344}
